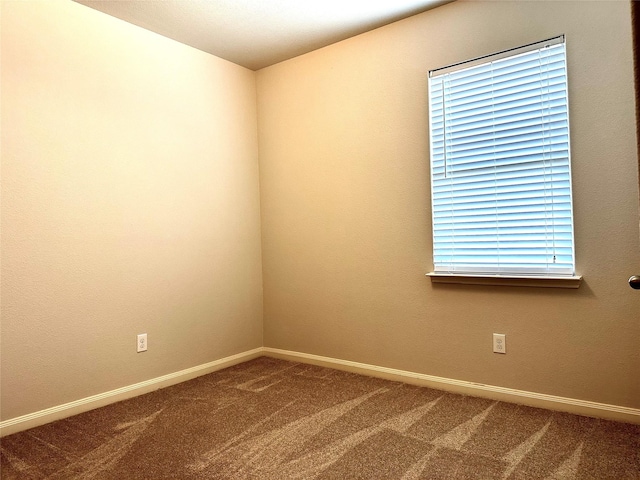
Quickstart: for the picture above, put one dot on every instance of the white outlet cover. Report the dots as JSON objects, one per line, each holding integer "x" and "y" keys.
{"x": 499, "y": 343}
{"x": 142, "y": 343}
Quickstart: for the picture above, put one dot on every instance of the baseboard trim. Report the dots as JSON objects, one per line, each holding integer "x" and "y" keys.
{"x": 24, "y": 422}
{"x": 541, "y": 400}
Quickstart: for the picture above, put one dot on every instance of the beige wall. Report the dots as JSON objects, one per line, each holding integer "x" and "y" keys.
{"x": 130, "y": 204}
{"x": 346, "y": 219}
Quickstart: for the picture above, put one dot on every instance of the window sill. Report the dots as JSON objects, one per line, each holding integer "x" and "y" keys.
{"x": 506, "y": 280}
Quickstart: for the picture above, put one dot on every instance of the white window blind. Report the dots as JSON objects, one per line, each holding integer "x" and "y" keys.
{"x": 500, "y": 167}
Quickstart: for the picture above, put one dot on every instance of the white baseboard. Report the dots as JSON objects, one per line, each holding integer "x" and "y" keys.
{"x": 24, "y": 422}
{"x": 540, "y": 400}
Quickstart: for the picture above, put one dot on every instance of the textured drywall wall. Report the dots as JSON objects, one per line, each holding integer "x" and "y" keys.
{"x": 346, "y": 225}
{"x": 130, "y": 204}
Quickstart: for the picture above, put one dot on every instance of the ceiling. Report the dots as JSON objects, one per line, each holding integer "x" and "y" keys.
{"x": 259, "y": 33}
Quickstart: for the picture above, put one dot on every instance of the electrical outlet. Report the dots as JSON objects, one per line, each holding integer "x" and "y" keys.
{"x": 499, "y": 343}
{"x": 142, "y": 342}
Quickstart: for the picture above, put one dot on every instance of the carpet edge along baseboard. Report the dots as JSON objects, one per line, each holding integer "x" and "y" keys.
{"x": 551, "y": 402}
{"x": 35, "y": 419}
{"x": 533, "y": 399}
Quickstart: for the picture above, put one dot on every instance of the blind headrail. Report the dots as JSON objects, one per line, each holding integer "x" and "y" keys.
{"x": 496, "y": 56}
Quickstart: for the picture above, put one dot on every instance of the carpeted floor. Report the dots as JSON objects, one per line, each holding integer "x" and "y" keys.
{"x": 271, "y": 419}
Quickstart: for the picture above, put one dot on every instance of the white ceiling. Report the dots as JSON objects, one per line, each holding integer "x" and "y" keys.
{"x": 259, "y": 33}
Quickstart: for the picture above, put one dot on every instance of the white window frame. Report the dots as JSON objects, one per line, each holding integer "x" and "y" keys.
{"x": 470, "y": 253}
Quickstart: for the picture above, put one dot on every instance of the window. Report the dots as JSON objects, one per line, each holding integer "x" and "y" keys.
{"x": 500, "y": 166}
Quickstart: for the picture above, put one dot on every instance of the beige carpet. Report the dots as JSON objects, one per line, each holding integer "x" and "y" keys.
{"x": 271, "y": 419}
